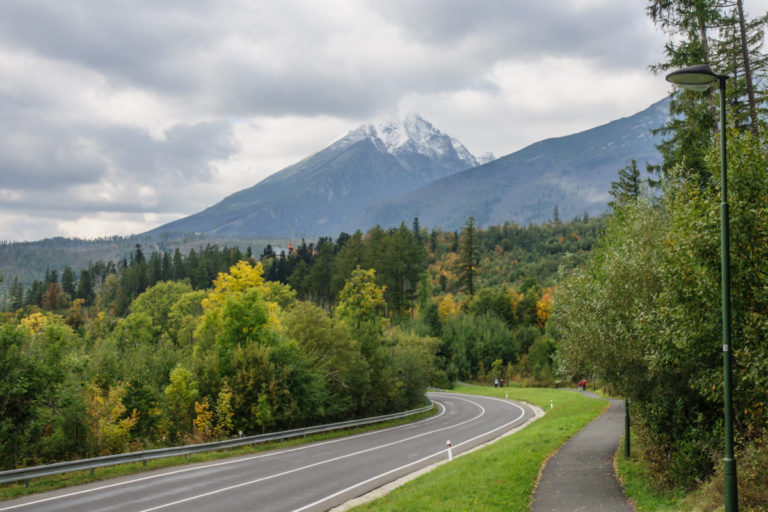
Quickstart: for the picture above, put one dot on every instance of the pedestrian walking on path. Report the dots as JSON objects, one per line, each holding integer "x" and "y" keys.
{"x": 580, "y": 476}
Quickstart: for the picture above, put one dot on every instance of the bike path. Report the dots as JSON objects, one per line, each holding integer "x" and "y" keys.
{"x": 581, "y": 476}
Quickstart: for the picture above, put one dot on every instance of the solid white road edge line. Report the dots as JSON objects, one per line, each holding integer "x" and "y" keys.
{"x": 224, "y": 463}
{"x": 385, "y": 489}
{"x": 440, "y": 452}
{"x": 322, "y": 462}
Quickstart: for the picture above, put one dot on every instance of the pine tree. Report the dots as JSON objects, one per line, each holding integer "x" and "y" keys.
{"x": 628, "y": 188}
{"x": 68, "y": 280}
{"x": 707, "y": 32}
{"x": 416, "y": 229}
{"x": 17, "y": 294}
{"x": 85, "y": 288}
{"x": 467, "y": 265}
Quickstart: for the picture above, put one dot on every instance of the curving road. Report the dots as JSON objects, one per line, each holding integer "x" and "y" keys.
{"x": 311, "y": 477}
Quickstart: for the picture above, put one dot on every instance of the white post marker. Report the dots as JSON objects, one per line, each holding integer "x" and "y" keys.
{"x": 506, "y": 395}
{"x": 450, "y": 452}
{"x": 551, "y": 405}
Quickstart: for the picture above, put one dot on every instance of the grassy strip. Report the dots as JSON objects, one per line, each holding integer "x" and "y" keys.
{"x": 501, "y": 476}
{"x": 17, "y": 489}
{"x": 636, "y": 477}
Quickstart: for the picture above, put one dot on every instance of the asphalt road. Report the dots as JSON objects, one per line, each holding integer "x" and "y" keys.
{"x": 311, "y": 477}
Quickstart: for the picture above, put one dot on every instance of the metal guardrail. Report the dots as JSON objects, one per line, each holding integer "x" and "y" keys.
{"x": 16, "y": 475}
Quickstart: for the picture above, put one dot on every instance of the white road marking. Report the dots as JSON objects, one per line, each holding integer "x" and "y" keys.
{"x": 359, "y": 484}
{"x": 320, "y": 463}
{"x": 224, "y": 463}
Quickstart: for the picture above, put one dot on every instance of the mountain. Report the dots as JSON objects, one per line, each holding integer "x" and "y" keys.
{"x": 573, "y": 173}
{"x": 388, "y": 173}
{"x": 320, "y": 194}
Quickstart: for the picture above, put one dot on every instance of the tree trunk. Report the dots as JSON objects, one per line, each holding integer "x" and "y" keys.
{"x": 705, "y": 46}
{"x": 747, "y": 68}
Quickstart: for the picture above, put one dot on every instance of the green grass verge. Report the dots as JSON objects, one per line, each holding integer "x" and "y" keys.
{"x": 37, "y": 485}
{"x": 636, "y": 477}
{"x": 501, "y": 476}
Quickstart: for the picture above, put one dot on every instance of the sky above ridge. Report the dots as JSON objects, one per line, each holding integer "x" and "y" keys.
{"x": 120, "y": 116}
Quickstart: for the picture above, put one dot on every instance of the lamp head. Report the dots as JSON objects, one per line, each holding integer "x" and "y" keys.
{"x": 696, "y": 78}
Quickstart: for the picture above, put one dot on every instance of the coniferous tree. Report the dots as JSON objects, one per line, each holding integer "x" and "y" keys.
{"x": 416, "y": 229}
{"x": 467, "y": 266}
{"x": 167, "y": 267}
{"x": 267, "y": 253}
{"x": 179, "y": 272}
{"x": 627, "y": 189}
{"x": 17, "y": 294}
{"x": 68, "y": 284}
{"x": 707, "y": 32}
{"x": 85, "y": 288}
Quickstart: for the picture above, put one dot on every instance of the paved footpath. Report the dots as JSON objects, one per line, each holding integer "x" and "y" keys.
{"x": 580, "y": 476}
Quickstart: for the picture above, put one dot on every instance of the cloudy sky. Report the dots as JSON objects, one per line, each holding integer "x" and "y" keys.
{"x": 120, "y": 116}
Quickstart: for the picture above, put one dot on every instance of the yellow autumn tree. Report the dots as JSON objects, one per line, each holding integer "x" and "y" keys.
{"x": 242, "y": 276}
{"x": 544, "y": 307}
{"x": 36, "y": 322}
{"x": 203, "y": 421}
{"x": 447, "y": 307}
{"x": 110, "y": 431}
{"x": 361, "y": 299}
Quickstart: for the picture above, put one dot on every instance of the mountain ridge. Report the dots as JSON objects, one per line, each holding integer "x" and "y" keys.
{"x": 389, "y": 172}
{"x": 312, "y": 196}
{"x": 572, "y": 173}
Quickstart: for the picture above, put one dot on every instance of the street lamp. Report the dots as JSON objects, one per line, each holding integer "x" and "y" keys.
{"x": 701, "y": 78}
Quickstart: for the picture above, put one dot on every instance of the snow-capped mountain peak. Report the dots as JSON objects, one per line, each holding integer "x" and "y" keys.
{"x": 412, "y": 134}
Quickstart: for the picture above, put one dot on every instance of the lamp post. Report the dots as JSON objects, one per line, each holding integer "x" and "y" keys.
{"x": 701, "y": 78}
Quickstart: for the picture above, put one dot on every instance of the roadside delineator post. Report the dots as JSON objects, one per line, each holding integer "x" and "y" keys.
{"x": 551, "y": 404}
{"x": 450, "y": 452}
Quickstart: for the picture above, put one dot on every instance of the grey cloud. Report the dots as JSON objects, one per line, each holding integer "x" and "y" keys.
{"x": 179, "y": 49}
{"x": 133, "y": 42}
{"x": 186, "y": 153}
{"x": 118, "y": 154}
{"x": 608, "y": 33}
{"x": 226, "y": 58}
{"x": 44, "y": 155}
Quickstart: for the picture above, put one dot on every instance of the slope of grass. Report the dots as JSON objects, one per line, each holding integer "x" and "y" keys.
{"x": 501, "y": 476}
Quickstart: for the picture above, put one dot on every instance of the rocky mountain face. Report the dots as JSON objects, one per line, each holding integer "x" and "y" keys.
{"x": 572, "y": 173}
{"x": 388, "y": 173}
{"x": 320, "y": 194}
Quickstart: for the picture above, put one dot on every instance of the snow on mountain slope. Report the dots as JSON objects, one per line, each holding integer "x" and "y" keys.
{"x": 408, "y": 136}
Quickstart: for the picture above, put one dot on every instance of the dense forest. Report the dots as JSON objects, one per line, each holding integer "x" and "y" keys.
{"x": 173, "y": 348}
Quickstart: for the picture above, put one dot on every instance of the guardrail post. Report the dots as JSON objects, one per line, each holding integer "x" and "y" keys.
{"x": 93, "y": 470}
{"x": 26, "y": 483}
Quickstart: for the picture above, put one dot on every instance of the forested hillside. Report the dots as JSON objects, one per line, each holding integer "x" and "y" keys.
{"x": 171, "y": 348}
